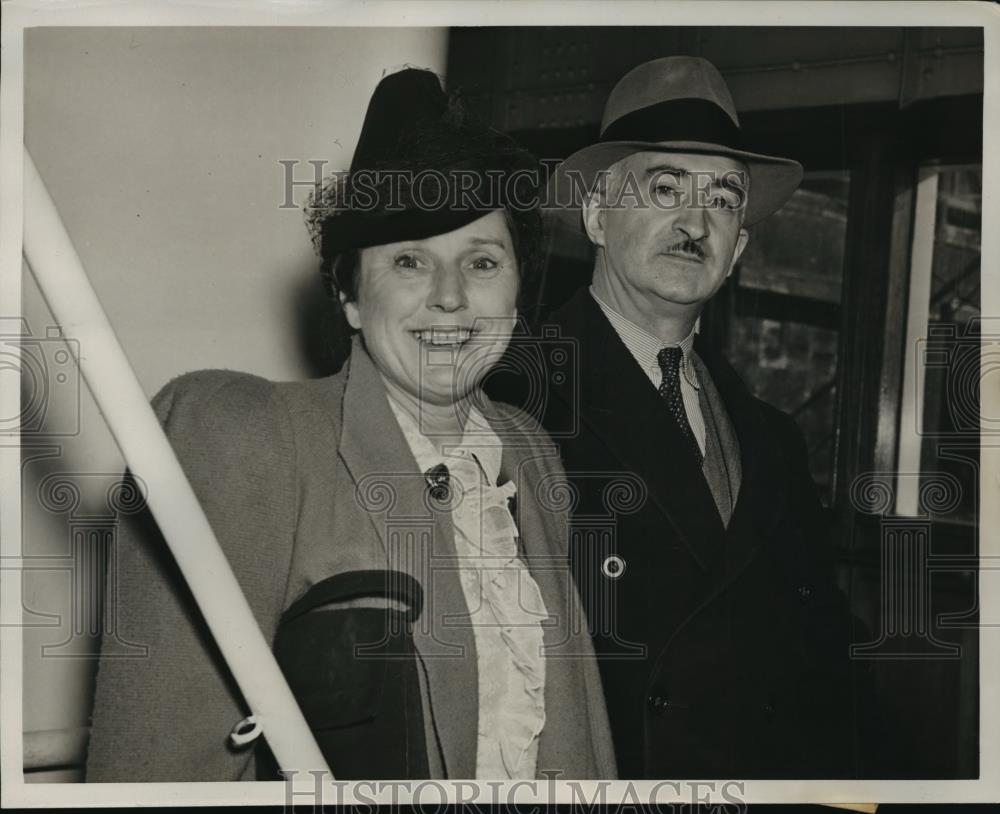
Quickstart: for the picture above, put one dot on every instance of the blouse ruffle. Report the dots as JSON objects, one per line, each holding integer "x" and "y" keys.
{"x": 505, "y": 604}
{"x": 507, "y": 611}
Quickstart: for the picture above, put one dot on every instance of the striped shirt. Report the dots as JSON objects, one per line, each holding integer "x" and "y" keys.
{"x": 645, "y": 347}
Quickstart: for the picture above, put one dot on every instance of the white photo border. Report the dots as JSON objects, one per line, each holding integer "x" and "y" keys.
{"x": 17, "y": 16}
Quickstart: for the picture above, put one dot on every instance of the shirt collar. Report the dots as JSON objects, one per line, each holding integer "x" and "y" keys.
{"x": 479, "y": 442}
{"x": 643, "y": 345}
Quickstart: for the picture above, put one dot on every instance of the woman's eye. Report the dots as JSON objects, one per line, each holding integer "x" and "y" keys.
{"x": 484, "y": 264}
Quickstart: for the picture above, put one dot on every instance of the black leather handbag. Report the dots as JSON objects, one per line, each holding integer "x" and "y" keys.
{"x": 354, "y": 673}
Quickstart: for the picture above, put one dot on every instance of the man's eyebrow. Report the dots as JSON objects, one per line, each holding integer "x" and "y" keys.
{"x": 666, "y": 169}
{"x": 730, "y": 179}
{"x": 737, "y": 179}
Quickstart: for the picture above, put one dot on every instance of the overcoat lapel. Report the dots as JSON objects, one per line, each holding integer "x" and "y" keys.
{"x": 419, "y": 541}
{"x": 566, "y": 741}
{"x": 759, "y": 502}
{"x": 622, "y": 409}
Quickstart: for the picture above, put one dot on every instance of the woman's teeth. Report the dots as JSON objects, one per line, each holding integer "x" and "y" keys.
{"x": 444, "y": 336}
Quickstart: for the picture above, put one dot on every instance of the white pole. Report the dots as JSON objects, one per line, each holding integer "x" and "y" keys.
{"x": 911, "y": 415}
{"x": 148, "y": 454}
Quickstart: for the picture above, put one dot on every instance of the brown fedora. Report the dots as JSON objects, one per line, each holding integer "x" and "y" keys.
{"x": 674, "y": 104}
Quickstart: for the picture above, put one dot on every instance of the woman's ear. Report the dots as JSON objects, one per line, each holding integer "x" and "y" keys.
{"x": 351, "y": 311}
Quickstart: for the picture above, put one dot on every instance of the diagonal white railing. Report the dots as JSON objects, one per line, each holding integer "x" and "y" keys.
{"x": 148, "y": 454}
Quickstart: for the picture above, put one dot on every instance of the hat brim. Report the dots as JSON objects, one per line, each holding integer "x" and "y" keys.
{"x": 772, "y": 179}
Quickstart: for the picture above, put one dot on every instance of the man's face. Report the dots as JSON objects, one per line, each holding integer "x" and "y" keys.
{"x": 670, "y": 228}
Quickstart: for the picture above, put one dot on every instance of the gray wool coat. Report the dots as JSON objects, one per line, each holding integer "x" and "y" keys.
{"x": 301, "y": 481}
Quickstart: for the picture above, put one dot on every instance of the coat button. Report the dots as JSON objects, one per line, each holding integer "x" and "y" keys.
{"x": 657, "y": 703}
{"x": 804, "y": 592}
{"x": 769, "y": 710}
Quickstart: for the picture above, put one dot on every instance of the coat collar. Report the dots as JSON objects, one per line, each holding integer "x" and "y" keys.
{"x": 418, "y": 540}
{"x": 615, "y": 398}
{"x": 625, "y": 412}
{"x": 390, "y": 486}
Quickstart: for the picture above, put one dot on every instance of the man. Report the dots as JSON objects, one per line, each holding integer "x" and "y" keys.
{"x": 699, "y": 546}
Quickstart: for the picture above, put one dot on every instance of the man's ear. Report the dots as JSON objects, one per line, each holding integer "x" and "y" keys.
{"x": 741, "y": 243}
{"x": 593, "y": 219}
{"x": 351, "y": 311}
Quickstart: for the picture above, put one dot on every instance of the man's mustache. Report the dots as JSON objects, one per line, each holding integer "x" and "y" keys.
{"x": 687, "y": 247}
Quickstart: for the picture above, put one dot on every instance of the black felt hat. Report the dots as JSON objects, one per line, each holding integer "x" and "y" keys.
{"x": 422, "y": 167}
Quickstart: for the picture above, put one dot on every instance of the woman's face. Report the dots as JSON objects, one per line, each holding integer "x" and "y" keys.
{"x": 437, "y": 314}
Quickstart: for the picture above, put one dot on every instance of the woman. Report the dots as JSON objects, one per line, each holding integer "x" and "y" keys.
{"x": 389, "y": 524}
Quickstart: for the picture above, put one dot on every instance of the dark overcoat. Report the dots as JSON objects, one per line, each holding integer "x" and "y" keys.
{"x": 723, "y": 650}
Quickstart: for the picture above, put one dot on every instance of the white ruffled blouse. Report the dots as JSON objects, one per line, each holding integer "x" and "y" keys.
{"x": 505, "y": 604}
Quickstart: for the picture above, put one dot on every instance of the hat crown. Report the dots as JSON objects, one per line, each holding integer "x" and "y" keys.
{"x": 665, "y": 80}
{"x": 402, "y": 101}
{"x": 423, "y": 166}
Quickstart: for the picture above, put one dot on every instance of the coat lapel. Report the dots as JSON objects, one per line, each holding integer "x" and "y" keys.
{"x": 419, "y": 541}
{"x": 620, "y": 406}
{"x": 758, "y": 501}
{"x": 567, "y": 742}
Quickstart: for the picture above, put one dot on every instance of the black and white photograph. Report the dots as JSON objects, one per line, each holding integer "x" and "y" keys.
{"x": 500, "y": 403}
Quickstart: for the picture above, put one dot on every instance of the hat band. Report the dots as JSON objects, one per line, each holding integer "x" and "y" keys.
{"x": 355, "y": 230}
{"x": 383, "y": 206}
{"x": 677, "y": 120}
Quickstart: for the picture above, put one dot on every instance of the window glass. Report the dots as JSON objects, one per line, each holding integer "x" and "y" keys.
{"x": 800, "y": 249}
{"x": 785, "y": 331}
{"x": 947, "y": 380}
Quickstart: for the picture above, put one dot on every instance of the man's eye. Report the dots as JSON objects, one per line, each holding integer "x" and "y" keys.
{"x": 407, "y": 261}
{"x": 729, "y": 200}
{"x": 667, "y": 193}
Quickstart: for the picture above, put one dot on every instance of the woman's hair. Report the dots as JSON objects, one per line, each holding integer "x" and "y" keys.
{"x": 456, "y": 143}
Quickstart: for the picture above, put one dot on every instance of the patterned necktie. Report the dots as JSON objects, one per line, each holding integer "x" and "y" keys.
{"x": 669, "y": 360}
{"x": 437, "y": 478}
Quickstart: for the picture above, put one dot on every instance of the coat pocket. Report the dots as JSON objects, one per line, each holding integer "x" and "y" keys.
{"x": 335, "y": 663}
{"x": 346, "y": 650}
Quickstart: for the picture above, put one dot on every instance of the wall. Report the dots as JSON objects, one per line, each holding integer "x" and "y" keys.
{"x": 160, "y": 148}
{"x": 560, "y": 78}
